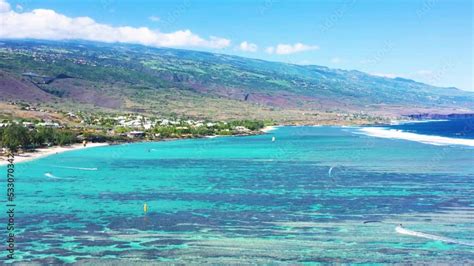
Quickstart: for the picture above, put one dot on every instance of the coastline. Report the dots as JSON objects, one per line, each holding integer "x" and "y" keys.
{"x": 268, "y": 129}
{"x": 44, "y": 152}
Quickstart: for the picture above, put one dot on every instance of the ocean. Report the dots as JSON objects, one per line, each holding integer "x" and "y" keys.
{"x": 314, "y": 195}
{"x": 453, "y": 128}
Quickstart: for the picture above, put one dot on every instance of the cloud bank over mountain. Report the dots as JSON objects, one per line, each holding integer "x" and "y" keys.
{"x": 48, "y": 24}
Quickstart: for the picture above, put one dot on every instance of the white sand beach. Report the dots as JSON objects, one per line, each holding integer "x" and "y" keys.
{"x": 40, "y": 153}
{"x": 269, "y": 128}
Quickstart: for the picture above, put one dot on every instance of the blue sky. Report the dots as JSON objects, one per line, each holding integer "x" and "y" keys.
{"x": 426, "y": 40}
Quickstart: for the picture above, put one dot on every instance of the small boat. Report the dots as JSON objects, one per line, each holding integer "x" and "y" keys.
{"x": 273, "y": 139}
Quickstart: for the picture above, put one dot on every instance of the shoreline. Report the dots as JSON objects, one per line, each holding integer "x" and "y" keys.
{"x": 45, "y": 152}
{"x": 270, "y": 128}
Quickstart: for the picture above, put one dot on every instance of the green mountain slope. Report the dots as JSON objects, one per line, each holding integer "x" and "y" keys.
{"x": 170, "y": 81}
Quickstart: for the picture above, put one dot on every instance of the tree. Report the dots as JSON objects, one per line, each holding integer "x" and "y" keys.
{"x": 42, "y": 135}
{"x": 65, "y": 138}
{"x": 250, "y": 124}
{"x": 1, "y": 136}
{"x": 14, "y": 137}
{"x": 36, "y": 139}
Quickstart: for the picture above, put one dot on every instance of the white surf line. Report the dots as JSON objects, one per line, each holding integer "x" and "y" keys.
{"x": 51, "y": 176}
{"x": 407, "y": 232}
{"x": 381, "y": 132}
{"x": 76, "y": 168}
{"x": 404, "y": 122}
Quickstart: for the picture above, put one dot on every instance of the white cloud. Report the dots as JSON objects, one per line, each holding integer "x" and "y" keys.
{"x": 385, "y": 75}
{"x": 336, "y": 60}
{"x": 154, "y": 18}
{"x": 47, "y": 24}
{"x": 270, "y": 50}
{"x": 4, "y": 6}
{"x": 282, "y": 49}
{"x": 248, "y": 47}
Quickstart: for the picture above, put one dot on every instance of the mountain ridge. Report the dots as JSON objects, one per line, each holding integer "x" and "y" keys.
{"x": 134, "y": 77}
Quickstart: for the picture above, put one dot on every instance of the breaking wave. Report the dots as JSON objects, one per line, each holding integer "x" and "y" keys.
{"x": 381, "y": 132}
{"x": 51, "y": 176}
{"x": 407, "y": 232}
{"x": 77, "y": 168}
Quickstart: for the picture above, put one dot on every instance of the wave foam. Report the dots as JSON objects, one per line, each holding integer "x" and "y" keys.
{"x": 382, "y": 132}
{"x": 404, "y": 231}
{"x": 77, "y": 168}
{"x": 402, "y": 122}
{"x": 51, "y": 176}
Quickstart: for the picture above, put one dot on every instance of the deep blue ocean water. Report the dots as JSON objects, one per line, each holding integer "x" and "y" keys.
{"x": 315, "y": 195}
{"x": 453, "y": 128}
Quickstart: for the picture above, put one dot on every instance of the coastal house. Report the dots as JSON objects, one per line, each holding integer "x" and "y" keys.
{"x": 241, "y": 129}
{"x": 28, "y": 125}
{"x": 49, "y": 124}
{"x": 133, "y": 123}
{"x": 198, "y": 124}
{"x": 148, "y": 125}
{"x": 72, "y": 115}
{"x": 136, "y": 134}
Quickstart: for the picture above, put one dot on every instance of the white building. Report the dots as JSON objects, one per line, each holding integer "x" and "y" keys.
{"x": 49, "y": 124}
{"x": 242, "y": 129}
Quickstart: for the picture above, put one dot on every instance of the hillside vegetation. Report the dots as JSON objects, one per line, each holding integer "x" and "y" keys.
{"x": 170, "y": 82}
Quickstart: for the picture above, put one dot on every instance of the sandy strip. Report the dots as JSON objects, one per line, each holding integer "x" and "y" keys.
{"x": 268, "y": 128}
{"x": 40, "y": 153}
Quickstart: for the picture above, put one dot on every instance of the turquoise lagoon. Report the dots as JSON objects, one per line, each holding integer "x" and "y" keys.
{"x": 315, "y": 195}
